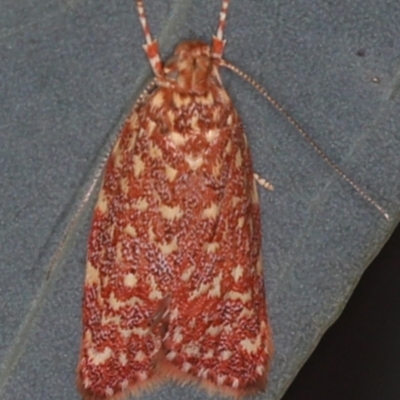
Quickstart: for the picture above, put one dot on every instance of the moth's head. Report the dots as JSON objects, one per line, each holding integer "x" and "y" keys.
{"x": 192, "y": 68}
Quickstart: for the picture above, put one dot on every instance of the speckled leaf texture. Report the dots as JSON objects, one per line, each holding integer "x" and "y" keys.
{"x": 70, "y": 72}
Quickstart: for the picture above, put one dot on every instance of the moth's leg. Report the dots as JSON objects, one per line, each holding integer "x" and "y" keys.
{"x": 151, "y": 46}
{"x": 218, "y": 42}
{"x": 263, "y": 182}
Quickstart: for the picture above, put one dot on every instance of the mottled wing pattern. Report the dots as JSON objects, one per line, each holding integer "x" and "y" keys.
{"x": 121, "y": 294}
{"x": 174, "y": 284}
{"x": 217, "y": 326}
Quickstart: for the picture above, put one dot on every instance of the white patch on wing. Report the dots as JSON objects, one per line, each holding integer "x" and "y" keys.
{"x": 154, "y": 151}
{"x": 102, "y": 204}
{"x": 168, "y": 248}
{"x": 186, "y": 366}
{"x": 187, "y": 273}
{"x": 221, "y": 379}
{"x": 243, "y": 297}
{"x": 251, "y": 346}
{"x": 123, "y": 359}
{"x": 192, "y": 350}
{"x": 130, "y": 280}
{"x": 140, "y": 356}
{"x": 114, "y": 303}
{"x": 141, "y": 204}
{"x": 215, "y": 290}
{"x": 130, "y": 230}
{"x": 99, "y": 357}
{"x": 211, "y": 212}
{"x": 138, "y": 165}
{"x": 211, "y": 247}
{"x": 177, "y": 139}
{"x": 170, "y": 173}
{"x": 260, "y": 369}
{"x": 158, "y": 100}
{"x": 177, "y": 336}
{"x": 237, "y": 273}
{"x": 211, "y": 135}
{"x": 238, "y": 159}
{"x": 171, "y": 213}
{"x": 194, "y": 162}
{"x": 226, "y": 355}
{"x": 235, "y": 383}
{"x": 171, "y": 355}
{"x": 155, "y": 293}
{"x": 92, "y": 274}
{"x": 214, "y": 330}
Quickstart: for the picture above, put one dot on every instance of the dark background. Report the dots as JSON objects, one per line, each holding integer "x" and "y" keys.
{"x": 359, "y": 356}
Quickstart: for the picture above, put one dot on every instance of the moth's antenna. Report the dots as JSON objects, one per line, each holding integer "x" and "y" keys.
{"x": 151, "y": 46}
{"x": 218, "y": 41}
{"x": 306, "y": 136}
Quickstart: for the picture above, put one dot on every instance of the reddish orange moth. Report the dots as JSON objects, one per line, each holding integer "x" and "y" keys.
{"x": 174, "y": 281}
{"x": 174, "y": 284}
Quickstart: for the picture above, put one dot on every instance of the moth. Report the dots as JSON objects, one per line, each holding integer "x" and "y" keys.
{"x": 174, "y": 280}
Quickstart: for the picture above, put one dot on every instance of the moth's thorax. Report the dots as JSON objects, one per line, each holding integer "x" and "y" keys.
{"x": 192, "y": 69}
{"x": 190, "y": 122}
{"x": 190, "y": 99}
